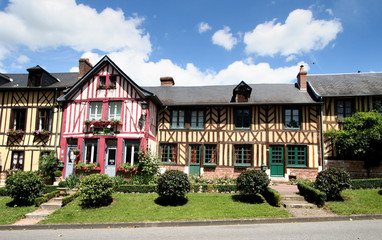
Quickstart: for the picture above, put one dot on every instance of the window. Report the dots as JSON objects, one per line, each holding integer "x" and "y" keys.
{"x": 168, "y": 153}
{"x": 91, "y": 150}
{"x": 209, "y": 154}
{"x": 197, "y": 119}
{"x": 378, "y": 105}
{"x": 44, "y": 119}
{"x": 242, "y": 155}
{"x": 115, "y": 109}
{"x": 112, "y": 80}
{"x": 344, "y": 109}
{"x": 177, "y": 119}
{"x": 131, "y": 152}
{"x": 292, "y": 118}
{"x": 195, "y": 154}
{"x": 242, "y": 118}
{"x": 95, "y": 110}
{"x": 34, "y": 80}
{"x": 102, "y": 80}
{"x": 18, "y": 119}
{"x": 17, "y": 160}
{"x": 296, "y": 156}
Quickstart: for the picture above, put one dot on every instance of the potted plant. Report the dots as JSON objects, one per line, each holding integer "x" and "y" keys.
{"x": 112, "y": 86}
{"x": 76, "y": 151}
{"x": 41, "y": 133}
{"x": 15, "y": 132}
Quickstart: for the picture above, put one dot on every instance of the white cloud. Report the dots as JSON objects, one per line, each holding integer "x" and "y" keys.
{"x": 43, "y": 24}
{"x": 224, "y": 38}
{"x": 329, "y": 11}
{"x": 22, "y": 59}
{"x": 203, "y": 27}
{"x": 300, "y": 34}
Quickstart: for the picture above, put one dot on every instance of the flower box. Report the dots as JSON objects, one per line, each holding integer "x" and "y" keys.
{"x": 41, "y": 133}
{"x": 15, "y": 132}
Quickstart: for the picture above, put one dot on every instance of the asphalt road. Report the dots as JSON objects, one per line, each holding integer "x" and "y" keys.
{"x": 348, "y": 230}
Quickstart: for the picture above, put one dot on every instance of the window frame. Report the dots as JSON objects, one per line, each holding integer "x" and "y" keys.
{"x": 18, "y": 160}
{"x": 115, "y": 110}
{"x": 198, "y": 155}
{"x": 49, "y": 119}
{"x": 291, "y": 109}
{"x": 242, "y": 151}
{"x": 168, "y": 152}
{"x": 378, "y": 104}
{"x": 177, "y": 126}
{"x": 236, "y": 115}
{"x": 202, "y": 120}
{"x": 296, "y": 150}
{"x": 133, "y": 152}
{"x": 208, "y": 156}
{"x": 18, "y": 124}
{"x": 344, "y": 114}
{"x": 91, "y": 108}
{"x": 94, "y": 157}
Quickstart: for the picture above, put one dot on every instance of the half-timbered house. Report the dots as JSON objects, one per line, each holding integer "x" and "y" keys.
{"x": 108, "y": 118}
{"x": 30, "y": 116}
{"x": 221, "y": 130}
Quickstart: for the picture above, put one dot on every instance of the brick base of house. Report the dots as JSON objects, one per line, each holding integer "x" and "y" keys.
{"x": 356, "y": 168}
{"x": 307, "y": 173}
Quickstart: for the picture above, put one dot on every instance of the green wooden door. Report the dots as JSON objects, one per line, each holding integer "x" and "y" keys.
{"x": 195, "y": 159}
{"x": 277, "y": 161}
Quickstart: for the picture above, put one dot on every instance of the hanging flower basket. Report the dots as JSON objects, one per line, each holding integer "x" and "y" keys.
{"x": 41, "y": 133}
{"x": 15, "y": 132}
{"x": 76, "y": 152}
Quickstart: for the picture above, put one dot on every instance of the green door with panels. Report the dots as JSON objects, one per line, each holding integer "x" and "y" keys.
{"x": 277, "y": 161}
{"x": 195, "y": 159}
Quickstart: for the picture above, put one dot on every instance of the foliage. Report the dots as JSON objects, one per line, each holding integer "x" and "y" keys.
{"x": 148, "y": 166}
{"x": 173, "y": 183}
{"x": 46, "y": 197}
{"x": 306, "y": 181}
{"x": 41, "y": 133}
{"x": 366, "y": 183}
{"x": 311, "y": 194}
{"x": 58, "y": 173}
{"x": 361, "y": 137}
{"x": 96, "y": 190}
{"x": 70, "y": 198}
{"x": 252, "y": 181}
{"x": 195, "y": 179}
{"x": 48, "y": 165}
{"x": 72, "y": 181}
{"x": 48, "y": 189}
{"x": 332, "y": 182}
{"x": 3, "y": 191}
{"x": 24, "y": 187}
{"x": 118, "y": 181}
{"x": 128, "y": 168}
{"x": 137, "y": 188}
{"x": 272, "y": 197}
{"x": 222, "y": 188}
{"x": 15, "y": 132}
{"x": 87, "y": 166}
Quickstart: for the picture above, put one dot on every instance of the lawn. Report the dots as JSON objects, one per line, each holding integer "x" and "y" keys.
{"x": 358, "y": 202}
{"x": 142, "y": 208}
{"x": 10, "y": 215}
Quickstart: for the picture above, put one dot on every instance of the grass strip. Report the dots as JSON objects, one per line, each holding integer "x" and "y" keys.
{"x": 10, "y": 214}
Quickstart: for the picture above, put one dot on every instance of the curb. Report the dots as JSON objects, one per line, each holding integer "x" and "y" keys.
{"x": 188, "y": 223}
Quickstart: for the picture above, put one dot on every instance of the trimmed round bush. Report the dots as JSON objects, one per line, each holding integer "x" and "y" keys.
{"x": 96, "y": 190}
{"x": 332, "y": 182}
{"x": 252, "y": 181}
{"x": 173, "y": 183}
{"x": 24, "y": 187}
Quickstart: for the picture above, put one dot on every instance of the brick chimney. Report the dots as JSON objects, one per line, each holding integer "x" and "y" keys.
{"x": 167, "y": 81}
{"x": 84, "y": 66}
{"x": 301, "y": 78}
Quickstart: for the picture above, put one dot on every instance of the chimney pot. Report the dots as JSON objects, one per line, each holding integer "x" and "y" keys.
{"x": 167, "y": 81}
{"x": 84, "y": 66}
{"x": 302, "y": 79}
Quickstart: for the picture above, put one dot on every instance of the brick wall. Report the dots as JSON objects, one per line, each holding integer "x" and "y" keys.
{"x": 307, "y": 173}
{"x": 356, "y": 168}
{"x": 222, "y": 172}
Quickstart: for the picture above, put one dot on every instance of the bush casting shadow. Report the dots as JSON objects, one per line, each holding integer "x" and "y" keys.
{"x": 246, "y": 198}
{"x": 13, "y": 203}
{"x": 380, "y": 192}
{"x": 106, "y": 202}
{"x": 171, "y": 201}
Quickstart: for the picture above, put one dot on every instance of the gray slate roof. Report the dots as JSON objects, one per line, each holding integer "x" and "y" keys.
{"x": 21, "y": 81}
{"x": 342, "y": 85}
{"x": 221, "y": 95}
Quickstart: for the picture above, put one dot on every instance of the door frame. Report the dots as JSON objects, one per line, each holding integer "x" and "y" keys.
{"x": 70, "y": 155}
{"x": 278, "y": 164}
{"x": 107, "y": 166}
{"x": 194, "y": 165}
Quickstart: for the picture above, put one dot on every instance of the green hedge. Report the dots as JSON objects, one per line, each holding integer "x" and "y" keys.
{"x": 70, "y": 198}
{"x": 221, "y": 188}
{"x": 366, "y": 183}
{"x": 49, "y": 188}
{"x": 272, "y": 197}
{"x": 3, "y": 191}
{"x": 312, "y": 195}
{"x": 137, "y": 188}
{"x": 46, "y": 197}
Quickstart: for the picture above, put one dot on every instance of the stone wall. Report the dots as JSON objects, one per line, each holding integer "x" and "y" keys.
{"x": 356, "y": 168}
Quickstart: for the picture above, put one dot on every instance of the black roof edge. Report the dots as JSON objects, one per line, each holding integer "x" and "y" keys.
{"x": 312, "y": 92}
{"x": 239, "y": 104}
{"x": 5, "y": 77}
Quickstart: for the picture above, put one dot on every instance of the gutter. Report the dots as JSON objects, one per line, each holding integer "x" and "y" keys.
{"x": 58, "y": 118}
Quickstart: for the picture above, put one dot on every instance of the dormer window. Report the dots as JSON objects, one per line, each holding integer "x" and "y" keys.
{"x": 38, "y": 77}
{"x": 241, "y": 93}
{"x": 107, "y": 82}
{"x": 34, "y": 79}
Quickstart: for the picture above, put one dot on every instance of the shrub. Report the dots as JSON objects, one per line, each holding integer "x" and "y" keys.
{"x": 58, "y": 173}
{"x": 70, "y": 198}
{"x": 96, "y": 190}
{"x": 173, "y": 183}
{"x": 46, "y": 197}
{"x": 24, "y": 187}
{"x": 272, "y": 197}
{"x": 252, "y": 181}
{"x": 137, "y": 188}
{"x": 366, "y": 183}
{"x": 332, "y": 182}
{"x": 72, "y": 181}
{"x": 48, "y": 189}
{"x": 48, "y": 165}
{"x": 118, "y": 181}
{"x": 3, "y": 191}
{"x": 226, "y": 188}
{"x": 311, "y": 194}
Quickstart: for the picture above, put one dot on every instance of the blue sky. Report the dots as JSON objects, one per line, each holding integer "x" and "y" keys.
{"x": 200, "y": 42}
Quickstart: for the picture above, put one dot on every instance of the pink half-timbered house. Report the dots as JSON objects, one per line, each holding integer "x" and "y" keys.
{"x": 107, "y": 117}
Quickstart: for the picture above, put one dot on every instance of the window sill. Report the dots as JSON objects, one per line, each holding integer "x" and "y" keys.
{"x": 171, "y": 163}
{"x": 297, "y": 166}
{"x": 177, "y": 128}
{"x": 209, "y": 165}
{"x": 286, "y": 128}
{"x": 242, "y": 128}
{"x": 196, "y": 128}
{"x": 241, "y": 165}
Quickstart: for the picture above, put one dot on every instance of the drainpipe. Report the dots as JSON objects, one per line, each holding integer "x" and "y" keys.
{"x": 322, "y": 137}
{"x": 58, "y": 118}
{"x": 159, "y": 113}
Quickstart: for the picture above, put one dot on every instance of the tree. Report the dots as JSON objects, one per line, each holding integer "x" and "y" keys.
{"x": 361, "y": 137}
{"x": 48, "y": 165}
